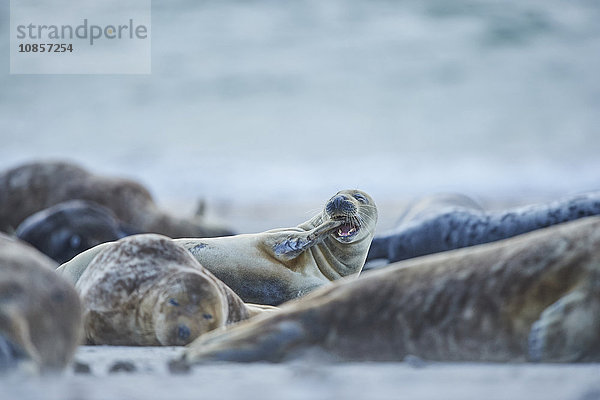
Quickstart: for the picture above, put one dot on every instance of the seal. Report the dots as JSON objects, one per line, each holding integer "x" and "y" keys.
{"x": 145, "y": 290}
{"x": 452, "y": 222}
{"x": 275, "y": 266}
{"x": 29, "y": 188}
{"x": 69, "y": 228}
{"x": 535, "y": 297}
{"x": 40, "y": 313}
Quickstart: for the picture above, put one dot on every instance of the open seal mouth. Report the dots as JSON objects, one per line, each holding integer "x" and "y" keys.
{"x": 348, "y": 228}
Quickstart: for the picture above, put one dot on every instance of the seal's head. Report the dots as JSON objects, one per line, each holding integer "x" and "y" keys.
{"x": 69, "y": 228}
{"x": 357, "y": 212}
{"x": 189, "y": 305}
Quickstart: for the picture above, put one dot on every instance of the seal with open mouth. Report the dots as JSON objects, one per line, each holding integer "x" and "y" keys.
{"x": 282, "y": 264}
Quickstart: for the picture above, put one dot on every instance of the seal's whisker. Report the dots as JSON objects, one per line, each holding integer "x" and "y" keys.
{"x": 367, "y": 219}
{"x": 365, "y": 216}
{"x": 313, "y": 211}
{"x": 367, "y": 206}
{"x": 359, "y": 220}
{"x": 370, "y": 219}
{"x": 369, "y": 227}
{"x": 363, "y": 211}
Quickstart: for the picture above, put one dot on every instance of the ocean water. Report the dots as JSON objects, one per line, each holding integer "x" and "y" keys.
{"x": 284, "y": 103}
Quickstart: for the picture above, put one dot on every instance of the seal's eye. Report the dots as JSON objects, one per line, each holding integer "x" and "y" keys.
{"x": 360, "y": 198}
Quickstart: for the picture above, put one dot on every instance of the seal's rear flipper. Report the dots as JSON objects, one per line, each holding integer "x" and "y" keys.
{"x": 568, "y": 330}
{"x": 271, "y": 341}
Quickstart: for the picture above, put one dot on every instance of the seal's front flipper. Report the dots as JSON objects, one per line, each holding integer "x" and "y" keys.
{"x": 293, "y": 245}
{"x": 317, "y": 234}
{"x": 568, "y": 330}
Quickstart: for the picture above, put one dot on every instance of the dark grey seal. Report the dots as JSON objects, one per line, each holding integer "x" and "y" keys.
{"x": 450, "y": 222}
{"x": 69, "y": 228}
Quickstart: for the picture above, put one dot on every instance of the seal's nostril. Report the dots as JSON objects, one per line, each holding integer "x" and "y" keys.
{"x": 183, "y": 332}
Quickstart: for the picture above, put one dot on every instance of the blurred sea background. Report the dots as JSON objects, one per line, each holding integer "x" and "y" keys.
{"x": 267, "y": 108}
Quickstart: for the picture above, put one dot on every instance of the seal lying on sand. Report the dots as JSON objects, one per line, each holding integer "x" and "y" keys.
{"x": 534, "y": 297}
{"x": 30, "y": 188}
{"x": 452, "y": 222}
{"x": 69, "y": 228}
{"x": 40, "y": 313}
{"x": 282, "y": 264}
{"x": 146, "y": 290}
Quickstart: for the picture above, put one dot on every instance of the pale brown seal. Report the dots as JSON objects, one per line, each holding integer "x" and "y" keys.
{"x": 282, "y": 264}
{"x": 40, "y": 313}
{"x": 29, "y": 188}
{"x": 534, "y": 297}
{"x": 146, "y": 290}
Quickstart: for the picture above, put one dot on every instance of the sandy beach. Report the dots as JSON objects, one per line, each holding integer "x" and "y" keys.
{"x": 412, "y": 379}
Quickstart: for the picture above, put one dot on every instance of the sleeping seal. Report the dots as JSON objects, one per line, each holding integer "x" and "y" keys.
{"x": 145, "y": 290}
